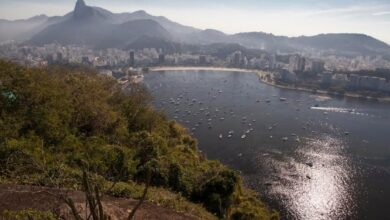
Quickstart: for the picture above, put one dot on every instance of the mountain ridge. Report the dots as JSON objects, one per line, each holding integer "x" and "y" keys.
{"x": 39, "y": 27}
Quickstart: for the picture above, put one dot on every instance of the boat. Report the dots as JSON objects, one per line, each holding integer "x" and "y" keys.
{"x": 283, "y": 99}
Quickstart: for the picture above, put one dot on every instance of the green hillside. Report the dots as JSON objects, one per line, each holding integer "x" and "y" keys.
{"x": 57, "y": 122}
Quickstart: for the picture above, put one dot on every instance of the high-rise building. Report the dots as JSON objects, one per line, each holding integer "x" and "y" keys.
{"x": 237, "y": 58}
{"x": 297, "y": 63}
{"x": 132, "y": 58}
{"x": 161, "y": 58}
{"x": 272, "y": 62}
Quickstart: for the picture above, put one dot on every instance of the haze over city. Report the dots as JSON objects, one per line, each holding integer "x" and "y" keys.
{"x": 281, "y": 17}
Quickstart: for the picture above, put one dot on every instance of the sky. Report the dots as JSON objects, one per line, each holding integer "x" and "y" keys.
{"x": 280, "y": 17}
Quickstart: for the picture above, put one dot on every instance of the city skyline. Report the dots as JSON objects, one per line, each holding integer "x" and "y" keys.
{"x": 303, "y": 17}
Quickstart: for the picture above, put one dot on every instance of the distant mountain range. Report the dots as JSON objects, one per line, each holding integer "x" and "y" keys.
{"x": 100, "y": 28}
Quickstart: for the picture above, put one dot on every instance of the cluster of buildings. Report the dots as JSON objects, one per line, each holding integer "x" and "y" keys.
{"x": 106, "y": 58}
{"x": 263, "y": 62}
{"x": 297, "y": 65}
{"x": 287, "y": 68}
{"x": 301, "y": 69}
{"x": 356, "y": 82}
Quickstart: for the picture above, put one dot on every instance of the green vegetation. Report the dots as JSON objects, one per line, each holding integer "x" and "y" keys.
{"x": 57, "y": 122}
{"x": 29, "y": 214}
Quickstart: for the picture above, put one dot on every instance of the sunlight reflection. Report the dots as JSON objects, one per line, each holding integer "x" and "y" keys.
{"x": 324, "y": 194}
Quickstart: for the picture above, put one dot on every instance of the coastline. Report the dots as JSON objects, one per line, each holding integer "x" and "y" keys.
{"x": 260, "y": 74}
{"x": 321, "y": 92}
{"x": 184, "y": 68}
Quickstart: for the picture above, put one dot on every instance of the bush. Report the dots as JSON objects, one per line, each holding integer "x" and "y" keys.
{"x": 29, "y": 214}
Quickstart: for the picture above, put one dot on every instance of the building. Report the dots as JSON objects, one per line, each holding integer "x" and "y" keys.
{"x": 317, "y": 66}
{"x": 244, "y": 62}
{"x": 161, "y": 58}
{"x": 287, "y": 76}
{"x": 326, "y": 78}
{"x": 297, "y": 63}
{"x": 132, "y": 58}
{"x": 340, "y": 79}
{"x": 237, "y": 57}
{"x": 272, "y": 62}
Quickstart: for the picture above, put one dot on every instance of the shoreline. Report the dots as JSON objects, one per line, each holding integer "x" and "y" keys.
{"x": 260, "y": 73}
{"x": 184, "y": 68}
{"x": 323, "y": 92}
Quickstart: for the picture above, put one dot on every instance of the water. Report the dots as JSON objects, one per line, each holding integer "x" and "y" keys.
{"x": 309, "y": 156}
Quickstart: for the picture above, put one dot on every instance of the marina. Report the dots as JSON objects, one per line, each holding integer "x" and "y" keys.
{"x": 289, "y": 155}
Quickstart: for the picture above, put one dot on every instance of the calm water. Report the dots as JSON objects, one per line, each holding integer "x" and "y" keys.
{"x": 309, "y": 156}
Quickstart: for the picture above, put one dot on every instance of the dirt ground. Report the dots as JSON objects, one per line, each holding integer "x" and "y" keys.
{"x": 17, "y": 197}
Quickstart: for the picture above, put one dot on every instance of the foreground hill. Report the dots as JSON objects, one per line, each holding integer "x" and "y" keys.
{"x": 57, "y": 124}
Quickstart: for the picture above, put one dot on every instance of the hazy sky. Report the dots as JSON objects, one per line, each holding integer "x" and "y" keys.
{"x": 280, "y": 17}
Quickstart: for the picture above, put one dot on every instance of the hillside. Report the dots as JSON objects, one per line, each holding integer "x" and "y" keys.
{"x": 58, "y": 125}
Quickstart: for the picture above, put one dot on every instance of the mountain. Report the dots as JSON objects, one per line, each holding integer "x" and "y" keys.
{"x": 100, "y": 28}
{"x": 263, "y": 40}
{"x": 127, "y": 33}
{"x": 156, "y": 42}
{"x": 337, "y": 44}
{"x": 207, "y": 36}
{"x": 178, "y": 31}
{"x": 24, "y": 29}
{"x": 344, "y": 43}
